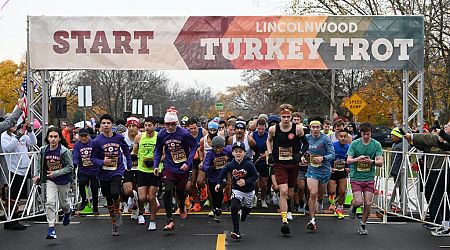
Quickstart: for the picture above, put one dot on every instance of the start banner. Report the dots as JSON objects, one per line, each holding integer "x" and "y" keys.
{"x": 227, "y": 42}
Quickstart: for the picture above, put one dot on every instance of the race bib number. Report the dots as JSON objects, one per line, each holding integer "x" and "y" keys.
{"x": 219, "y": 162}
{"x": 311, "y": 162}
{"x": 363, "y": 167}
{"x": 113, "y": 165}
{"x": 339, "y": 166}
{"x": 86, "y": 162}
{"x": 285, "y": 154}
{"x": 178, "y": 156}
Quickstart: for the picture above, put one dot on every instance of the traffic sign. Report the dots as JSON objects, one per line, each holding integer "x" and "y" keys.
{"x": 355, "y": 104}
{"x": 219, "y": 106}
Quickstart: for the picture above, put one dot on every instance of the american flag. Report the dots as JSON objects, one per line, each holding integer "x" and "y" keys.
{"x": 23, "y": 95}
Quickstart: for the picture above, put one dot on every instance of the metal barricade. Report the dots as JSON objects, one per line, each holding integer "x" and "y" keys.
{"x": 34, "y": 206}
{"x": 420, "y": 189}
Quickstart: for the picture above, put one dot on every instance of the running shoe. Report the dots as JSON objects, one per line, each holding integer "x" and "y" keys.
{"x": 301, "y": 210}
{"x": 312, "y": 226}
{"x": 362, "y": 231}
{"x": 255, "y": 201}
{"x": 430, "y": 226}
{"x": 124, "y": 207}
{"x": 67, "y": 217}
{"x": 236, "y": 236}
{"x": 332, "y": 207}
{"x": 207, "y": 203}
{"x": 141, "y": 220}
{"x": 441, "y": 232}
{"x": 285, "y": 228}
{"x": 211, "y": 214}
{"x": 119, "y": 220}
{"x": 169, "y": 226}
{"x": 51, "y": 233}
{"x": 264, "y": 204}
{"x": 340, "y": 213}
{"x": 217, "y": 217}
{"x": 197, "y": 207}
{"x": 204, "y": 193}
{"x": 82, "y": 205}
{"x": 152, "y": 226}
{"x": 289, "y": 216}
{"x": 135, "y": 214}
{"x": 115, "y": 230}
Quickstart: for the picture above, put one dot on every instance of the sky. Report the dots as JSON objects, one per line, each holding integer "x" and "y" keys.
{"x": 13, "y": 18}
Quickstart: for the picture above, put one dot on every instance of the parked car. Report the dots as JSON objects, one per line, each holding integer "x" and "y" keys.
{"x": 382, "y": 135}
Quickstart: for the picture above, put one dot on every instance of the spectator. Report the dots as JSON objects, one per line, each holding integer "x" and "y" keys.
{"x": 67, "y": 133}
{"x": 17, "y": 142}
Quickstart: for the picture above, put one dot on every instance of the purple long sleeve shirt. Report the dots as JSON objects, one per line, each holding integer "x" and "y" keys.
{"x": 179, "y": 148}
{"x": 82, "y": 158}
{"x": 114, "y": 148}
{"x": 213, "y": 163}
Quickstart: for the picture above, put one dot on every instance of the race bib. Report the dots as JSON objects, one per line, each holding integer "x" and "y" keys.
{"x": 339, "y": 166}
{"x": 363, "y": 167}
{"x": 53, "y": 165}
{"x": 285, "y": 154}
{"x": 86, "y": 162}
{"x": 113, "y": 165}
{"x": 219, "y": 162}
{"x": 311, "y": 162}
{"x": 178, "y": 156}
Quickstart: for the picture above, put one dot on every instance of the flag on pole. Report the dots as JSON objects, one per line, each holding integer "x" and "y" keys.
{"x": 23, "y": 95}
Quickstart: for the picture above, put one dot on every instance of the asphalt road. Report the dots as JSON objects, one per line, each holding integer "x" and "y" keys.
{"x": 260, "y": 231}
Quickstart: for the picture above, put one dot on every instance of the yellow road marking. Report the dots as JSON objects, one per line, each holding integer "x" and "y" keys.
{"x": 220, "y": 244}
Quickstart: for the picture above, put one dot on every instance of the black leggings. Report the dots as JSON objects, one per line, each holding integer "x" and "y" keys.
{"x": 217, "y": 197}
{"x": 111, "y": 189}
{"x": 235, "y": 206}
{"x": 92, "y": 182}
{"x": 168, "y": 194}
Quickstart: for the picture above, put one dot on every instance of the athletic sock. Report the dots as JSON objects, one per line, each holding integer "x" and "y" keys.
{"x": 284, "y": 217}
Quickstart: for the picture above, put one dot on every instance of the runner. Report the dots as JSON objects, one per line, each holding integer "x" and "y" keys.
{"x": 326, "y": 128}
{"x": 363, "y": 155}
{"x": 337, "y": 127}
{"x": 179, "y": 150}
{"x": 301, "y": 193}
{"x": 244, "y": 175}
{"x": 130, "y": 177}
{"x": 250, "y": 145}
{"x": 283, "y": 146}
{"x": 147, "y": 176}
{"x": 205, "y": 146}
{"x": 108, "y": 152}
{"x": 87, "y": 171}
{"x": 339, "y": 173}
{"x": 321, "y": 152}
{"x": 55, "y": 168}
{"x": 198, "y": 133}
{"x": 215, "y": 160}
{"x": 260, "y": 137}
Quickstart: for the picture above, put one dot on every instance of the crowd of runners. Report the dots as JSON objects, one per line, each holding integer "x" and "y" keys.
{"x": 231, "y": 164}
{"x": 276, "y": 160}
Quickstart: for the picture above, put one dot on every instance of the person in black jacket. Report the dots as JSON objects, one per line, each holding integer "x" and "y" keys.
{"x": 243, "y": 175}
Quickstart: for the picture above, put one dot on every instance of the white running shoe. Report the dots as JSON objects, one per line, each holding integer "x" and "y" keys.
{"x": 134, "y": 214}
{"x": 152, "y": 226}
{"x": 141, "y": 220}
{"x": 255, "y": 201}
{"x": 289, "y": 216}
{"x": 125, "y": 208}
{"x": 211, "y": 214}
{"x": 264, "y": 204}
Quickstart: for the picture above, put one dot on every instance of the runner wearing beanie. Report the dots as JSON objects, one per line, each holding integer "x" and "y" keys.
{"x": 179, "y": 149}
{"x": 215, "y": 160}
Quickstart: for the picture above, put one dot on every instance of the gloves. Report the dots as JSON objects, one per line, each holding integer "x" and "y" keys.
{"x": 270, "y": 159}
{"x": 29, "y": 130}
{"x": 134, "y": 157}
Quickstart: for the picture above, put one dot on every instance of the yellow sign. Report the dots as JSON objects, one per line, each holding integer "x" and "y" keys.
{"x": 355, "y": 104}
